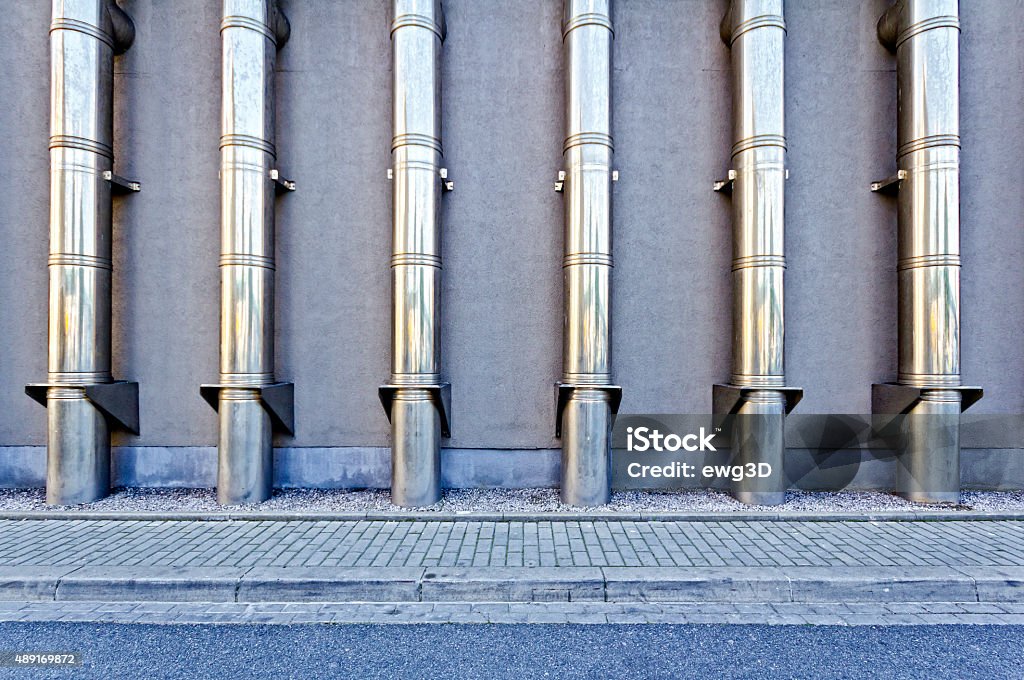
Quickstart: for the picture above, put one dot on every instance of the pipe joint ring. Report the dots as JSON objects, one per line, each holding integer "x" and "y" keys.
{"x": 762, "y": 21}
{"x": 750, "y": 380}
{"x": 82, "y": 144}
{"x": 250, "y": 380}
{"x": 764, "y": 397}
{"x": 248, "y": 141}
{"x": 414, "y": 259}
{"x": 239, "y": 394}
{"x": 588, "y": 19}
{"x": 756, "y": 141}
{"x": 929, "y": 142}
{"x": 941, "y": 396}
{"x": 921, "y": 261}
{"x": 937, "y": 380}
{"x": 419, "y": 21}
{"x": 590, "y": 395}
{"x": 66, "y": 24}
{"x": 582, "y": 138}
{"x": 247, "y": 260}
{"x": 587, "y": 379}
{"x": 753, "y": 261}
{"x": 79, "y": 377}
{"x": 416, "y": 139}
{"x": 412, "y": 394}
{"x": 415, "y": 379}
{"x": 239, "y": 21}
{"x": 575, "y": 259}
{"x": 932, "y": 23}
{"x": 65, "y": 393}
{"x": 79, "y": 260}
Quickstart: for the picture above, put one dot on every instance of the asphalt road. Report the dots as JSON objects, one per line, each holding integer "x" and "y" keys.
{"x": 521, "y": 651}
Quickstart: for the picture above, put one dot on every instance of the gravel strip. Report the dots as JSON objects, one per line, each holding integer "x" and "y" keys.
{"x": 505, "y": 500}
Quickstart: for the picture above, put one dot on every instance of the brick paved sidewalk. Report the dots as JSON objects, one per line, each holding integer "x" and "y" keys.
{"x": 621, "y": 562}
{"x": 509, "y": 544}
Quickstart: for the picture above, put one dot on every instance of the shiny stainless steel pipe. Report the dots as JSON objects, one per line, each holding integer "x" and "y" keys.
{"x": 925, "y": 37}
{"x": 84, "y": 37}
{"x": 755, "y": 30}
{"x": 415, "y": 398}
{"x": 251, "y": 32}
{"x": 587, "y": 398}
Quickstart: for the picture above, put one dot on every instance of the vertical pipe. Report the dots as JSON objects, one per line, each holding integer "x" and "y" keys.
{"x": 586, "y": 417}
{"x": 755, "y": 30}
{"x": 251, "y": 33}
{"x": 417, "y": 31}
{"x": 925, "y": 37}
{"x": 84, "y": 37}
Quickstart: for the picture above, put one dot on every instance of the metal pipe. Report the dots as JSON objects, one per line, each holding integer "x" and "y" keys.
{"x": 415, "y": 399}
{"x": 925, "y": 34}
{"x": 84, "y": 37}
{"x": 755, "y": 30}
{"x": 251, "y": 31}
{"x": 587, "y": 398}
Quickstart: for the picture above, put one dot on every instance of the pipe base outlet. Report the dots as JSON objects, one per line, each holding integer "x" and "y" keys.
{"x": 77, "y": 448}
{"x": 928, "y": 465}
{"x": 586, "y": 443}
{"x": 245, "y": 452}
{"x": 415, "y": 449}
{"x": 759, "y": 447}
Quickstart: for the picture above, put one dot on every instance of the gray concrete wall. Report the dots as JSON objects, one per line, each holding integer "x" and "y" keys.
{"x": 502, "y": 226}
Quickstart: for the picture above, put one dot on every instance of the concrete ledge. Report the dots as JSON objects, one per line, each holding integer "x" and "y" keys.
{"x": 997, "y": 584}
{"x": 31, "y": 583}
{"x": 696, "y": 584}
{"x": 515, "y": 584}
{"x": 881, "y": 584}
{"x": 331, "y": 584}
{"x": 160, "y": 584}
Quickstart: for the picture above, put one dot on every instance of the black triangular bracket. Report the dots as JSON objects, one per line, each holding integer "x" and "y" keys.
{"x": 118, "y": 401}
{"x": 893, "y": 399}
{"x": 440, "y": 394}
{"x": 890, "y": 186}
{"x": 726, "y": 399}
{"x": 277, "y": 398}
{"x": 564, "y": 391}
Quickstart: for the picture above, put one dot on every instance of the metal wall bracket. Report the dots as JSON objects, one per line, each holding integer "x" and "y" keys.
{"x": 560, "y": 183}
{"x": 440, "y": 394}
{"x": 281, "y": 185}
{"x": 448, "y": 184}
{"x": 118, "y": 400}
{"x": 724, "y": 186}
{"x": 895, "y": 399}
{"x": 727, "y": 399}
{"x": 563, "y": 393}
{"x": 890, "y": 186}
{"x": 120, "y": 185}
{"x": 277, "y": 398}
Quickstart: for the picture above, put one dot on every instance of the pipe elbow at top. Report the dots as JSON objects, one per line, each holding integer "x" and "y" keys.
{"x": 281, "y": 26}
{"x": 122, "y": 28}
{"x": 889, "y": 26}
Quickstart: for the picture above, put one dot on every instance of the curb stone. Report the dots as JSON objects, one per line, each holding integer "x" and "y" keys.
{"x": 514, "y": 584}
